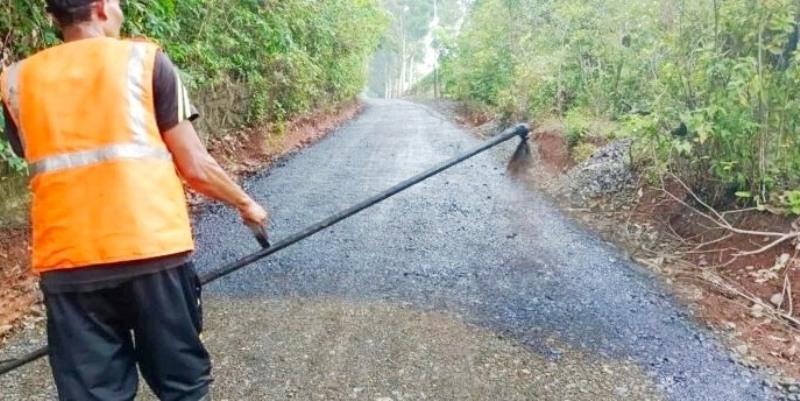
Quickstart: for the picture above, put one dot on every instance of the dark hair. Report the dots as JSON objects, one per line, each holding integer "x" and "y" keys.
{"x": 70, "y": 12}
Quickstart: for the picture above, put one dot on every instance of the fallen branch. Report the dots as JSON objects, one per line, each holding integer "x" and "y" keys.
{"x": 712, "y": 242}
{"x": 718, "y": 218}
{"x": 773, "y": 244}
{"x": 745, "y": 210}
{"x": 787, "y": 293}
{"x": 707, "y": 251}
{"x": 785, "y": 318}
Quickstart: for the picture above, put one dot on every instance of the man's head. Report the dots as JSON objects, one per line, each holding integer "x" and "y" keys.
{"x": 104, "y": 15}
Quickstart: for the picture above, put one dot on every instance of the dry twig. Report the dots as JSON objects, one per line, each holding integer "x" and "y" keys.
{"x": 718, "y": 218}
{"x": 712, "y": 242}
{"x": 787, "y": 293}
{"x": 786, "y": 319}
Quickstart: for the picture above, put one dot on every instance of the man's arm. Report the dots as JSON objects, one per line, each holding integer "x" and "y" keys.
{"x": 205, "y": 175}
{"x": 175, "y": 113}
{"x": 11, "y": 134}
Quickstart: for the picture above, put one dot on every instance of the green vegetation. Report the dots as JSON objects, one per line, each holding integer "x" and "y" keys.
{"x": 294, "y": 56}
{"x": 291, "y": 57}
{"x": 726, "y": 70}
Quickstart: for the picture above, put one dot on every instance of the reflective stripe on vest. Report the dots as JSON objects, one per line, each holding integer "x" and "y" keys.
{"x": 89, "y": 157}
{"x": 13, "y": 98}
{"x": 138, "y": 148}
{"x": 136, "y": 93}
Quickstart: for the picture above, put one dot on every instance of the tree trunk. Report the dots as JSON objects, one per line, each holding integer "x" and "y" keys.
{"x": 436, "y": 83}
{"x": 403, "y": 64}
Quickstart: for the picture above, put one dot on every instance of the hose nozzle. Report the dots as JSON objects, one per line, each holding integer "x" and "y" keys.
{"x": 522, "y": 159}
{"x": 260, "y": 233}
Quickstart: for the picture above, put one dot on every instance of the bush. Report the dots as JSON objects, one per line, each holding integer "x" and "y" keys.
{"x": 710, "y": 88}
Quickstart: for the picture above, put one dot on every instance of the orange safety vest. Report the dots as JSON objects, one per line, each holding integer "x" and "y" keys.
{"x": 104, "y": 186}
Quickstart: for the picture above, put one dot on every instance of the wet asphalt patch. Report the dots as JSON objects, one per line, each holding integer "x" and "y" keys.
{"x": 470, "y": 241}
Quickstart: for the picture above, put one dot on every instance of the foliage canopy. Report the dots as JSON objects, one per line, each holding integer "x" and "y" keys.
{"x": 294, "y": 56}
{"x": 709, "y": 86}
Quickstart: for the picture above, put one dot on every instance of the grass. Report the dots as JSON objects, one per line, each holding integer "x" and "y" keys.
{"x": 582, "y": 152}
{"x": 584, "y": 132}
{"x": 14, "y": 200}
{"x": 582, "y": 126}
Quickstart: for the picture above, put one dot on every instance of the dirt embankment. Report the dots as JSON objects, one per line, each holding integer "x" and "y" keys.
{"x": 749, "y": 299}
{"x": 241, "y": 153}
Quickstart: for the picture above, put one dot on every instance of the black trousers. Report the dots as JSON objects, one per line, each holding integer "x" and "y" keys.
{"x": 98, "y": 338}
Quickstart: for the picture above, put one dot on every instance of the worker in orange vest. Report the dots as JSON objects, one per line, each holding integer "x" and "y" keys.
{"x": 105, "y": 126}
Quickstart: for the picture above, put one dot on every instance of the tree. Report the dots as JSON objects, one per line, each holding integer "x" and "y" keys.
{"x": 394, "y": 69}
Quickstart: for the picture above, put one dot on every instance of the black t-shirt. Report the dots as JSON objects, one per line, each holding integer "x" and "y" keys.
{"x": 172, "y": 106}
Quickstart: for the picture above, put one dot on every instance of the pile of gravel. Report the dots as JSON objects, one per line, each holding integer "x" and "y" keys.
{"x": 606, "y": 172}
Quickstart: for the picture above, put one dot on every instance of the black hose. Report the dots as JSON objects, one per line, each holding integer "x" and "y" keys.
{"x": 19, "y": 362}
{"x": 520, "y": 130}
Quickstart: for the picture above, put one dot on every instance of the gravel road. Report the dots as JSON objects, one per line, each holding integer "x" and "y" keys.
{"x": 467, "y": 286}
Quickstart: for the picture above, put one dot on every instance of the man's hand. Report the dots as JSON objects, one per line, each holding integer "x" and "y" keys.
{"x": 256, "y": 218}
{"x": 254, "y": 214}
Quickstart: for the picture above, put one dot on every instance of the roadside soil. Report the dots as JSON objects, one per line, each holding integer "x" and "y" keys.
{"x": 241, "y": 153}
{"x": 749, "y": 301}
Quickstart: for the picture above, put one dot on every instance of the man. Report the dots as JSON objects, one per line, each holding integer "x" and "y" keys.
{"x": 104, "y": 124}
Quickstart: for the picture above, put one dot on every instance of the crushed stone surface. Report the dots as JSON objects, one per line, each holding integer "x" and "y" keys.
{"x": 606, "y": 172}
{"x": 467, "y": 286}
